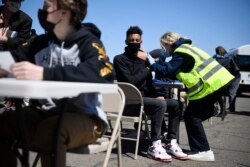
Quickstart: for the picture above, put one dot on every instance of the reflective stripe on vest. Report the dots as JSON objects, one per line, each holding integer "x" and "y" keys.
{"x": 206, "y": 76}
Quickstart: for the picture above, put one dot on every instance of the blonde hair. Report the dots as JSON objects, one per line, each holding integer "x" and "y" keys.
{"x": 169, "y": 38}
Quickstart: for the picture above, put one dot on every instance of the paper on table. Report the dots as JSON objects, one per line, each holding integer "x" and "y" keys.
{"x": 6, "y": 60}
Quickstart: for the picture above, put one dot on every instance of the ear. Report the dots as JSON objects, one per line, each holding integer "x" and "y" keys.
{"x": 126, "y": 42}
{"x": 64, "y": 12}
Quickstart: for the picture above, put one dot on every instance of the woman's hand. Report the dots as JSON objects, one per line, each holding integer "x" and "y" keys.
{"x": 27, "y": 71}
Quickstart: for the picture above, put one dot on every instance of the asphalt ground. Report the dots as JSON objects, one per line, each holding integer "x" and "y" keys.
{"x": 229, "y": 139}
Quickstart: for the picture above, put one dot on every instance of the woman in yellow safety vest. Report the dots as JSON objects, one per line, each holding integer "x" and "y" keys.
{"x": 205, "y": 80}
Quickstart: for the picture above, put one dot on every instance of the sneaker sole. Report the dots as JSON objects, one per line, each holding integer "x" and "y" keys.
{"x": 207, "y": 160}
{"x": 204, "y": 160}
{"x": 158, "y": 159}
{"x": 179, "y": 158}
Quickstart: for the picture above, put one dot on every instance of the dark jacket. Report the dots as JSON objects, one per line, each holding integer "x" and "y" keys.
{"x": 179, "y": 62}
{"x": 21, "y": 23}
{"x": 230, "y": 65}
{"x": 80, "y": 58}
{"x": 131, "y": 69}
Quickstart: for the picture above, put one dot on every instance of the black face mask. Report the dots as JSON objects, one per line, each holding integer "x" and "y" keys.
{"x": 42, "y": 17}
{"x": 134, "y": 47}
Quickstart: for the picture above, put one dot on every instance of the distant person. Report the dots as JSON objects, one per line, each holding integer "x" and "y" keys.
{"x": 205, "y": 80}
{"x": 66, "y": 52}
{"x": 15, "y": 25}
{"x": 229, "y": 63}
{"x": 131, "y": 68}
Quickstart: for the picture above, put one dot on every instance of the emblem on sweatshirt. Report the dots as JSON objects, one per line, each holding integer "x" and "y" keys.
{"x": 107, "y": 69}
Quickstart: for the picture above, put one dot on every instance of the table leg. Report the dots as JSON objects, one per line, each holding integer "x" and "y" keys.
{"x": 22, "y": 132}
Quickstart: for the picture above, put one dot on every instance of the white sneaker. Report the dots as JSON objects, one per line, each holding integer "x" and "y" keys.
{"x": 174, "y": 149}
{"x": 158, "y": 153}
{"x": 202, "y": 156}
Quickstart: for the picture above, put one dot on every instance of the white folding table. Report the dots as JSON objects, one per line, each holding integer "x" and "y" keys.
{"x": 17, "y": 89}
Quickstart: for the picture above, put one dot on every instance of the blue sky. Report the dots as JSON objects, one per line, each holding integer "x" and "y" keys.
{"x": 208, "y": 23}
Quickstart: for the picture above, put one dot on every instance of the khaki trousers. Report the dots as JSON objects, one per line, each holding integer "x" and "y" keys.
{"x": 77, "y": 130}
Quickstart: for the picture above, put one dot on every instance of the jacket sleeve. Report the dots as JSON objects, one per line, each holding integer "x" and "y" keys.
{"x": 21, "y": 54}
{"x": 178, "y": 63}
{"x": 125, "y": 74}
{"x": 94, "y": 66}
{"x": 234, "y": 69}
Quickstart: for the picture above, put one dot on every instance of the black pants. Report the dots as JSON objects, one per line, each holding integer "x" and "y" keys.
{"x": 174, "y": 114}
{"x": 196, "y": 112}
{"x": 156, "y": 108}
{"x": 231, "y": 92}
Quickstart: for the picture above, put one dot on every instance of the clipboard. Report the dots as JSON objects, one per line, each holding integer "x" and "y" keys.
{"x": 6, "y": 61}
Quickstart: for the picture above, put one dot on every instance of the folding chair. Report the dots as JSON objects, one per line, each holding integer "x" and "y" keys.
{"x": 113, "y": 101}
{"x": 133, "y": 98}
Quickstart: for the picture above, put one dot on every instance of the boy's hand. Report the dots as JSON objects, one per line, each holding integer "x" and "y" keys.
{"x": 27, "y": 71}
{"x": 141, "y": 54}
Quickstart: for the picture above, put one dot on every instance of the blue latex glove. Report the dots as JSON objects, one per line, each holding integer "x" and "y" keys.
{"x": 151, "y": 59}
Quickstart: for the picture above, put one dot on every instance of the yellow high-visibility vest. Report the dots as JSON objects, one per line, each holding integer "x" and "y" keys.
{"x": 207, "y": 75}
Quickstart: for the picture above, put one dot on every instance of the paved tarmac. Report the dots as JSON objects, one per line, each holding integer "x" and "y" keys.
{"x": 229, "y": 139}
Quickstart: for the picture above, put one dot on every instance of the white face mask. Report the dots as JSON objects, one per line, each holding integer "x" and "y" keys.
{"x": 13, "y": 6}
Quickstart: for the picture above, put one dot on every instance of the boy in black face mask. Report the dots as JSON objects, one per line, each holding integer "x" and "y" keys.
{"x": 133, "y": 67}
{"x": 133, "y": 40}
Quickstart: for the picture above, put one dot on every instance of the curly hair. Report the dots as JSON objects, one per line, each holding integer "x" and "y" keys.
{"x": 78, "y": 9}
{"x": 133, "y": 30}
